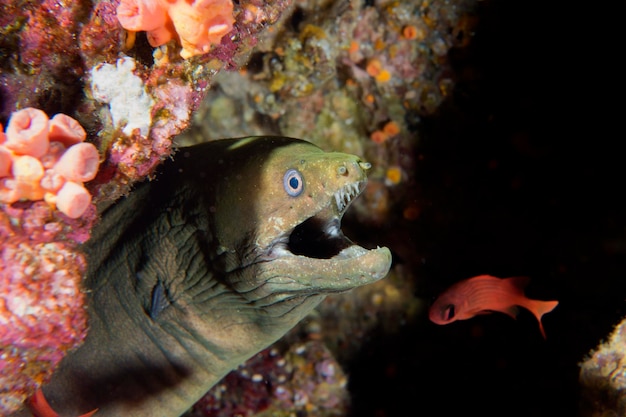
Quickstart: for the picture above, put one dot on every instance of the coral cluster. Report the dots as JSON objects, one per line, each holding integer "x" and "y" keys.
{"x": 603, "y": 377}
{"x": 46, "y": 159}
{"x": 198, "y": 24}
{"x": 305, "y": 380}
{"x": 41, "y": 314}
{"x": 57, "y": 55}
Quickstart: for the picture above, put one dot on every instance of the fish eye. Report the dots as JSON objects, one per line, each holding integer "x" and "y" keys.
{"x": 293, "y": 182}
{"x": 448, "y": 312}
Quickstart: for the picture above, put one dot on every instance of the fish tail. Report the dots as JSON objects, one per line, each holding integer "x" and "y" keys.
{"x": 539, "y": 308}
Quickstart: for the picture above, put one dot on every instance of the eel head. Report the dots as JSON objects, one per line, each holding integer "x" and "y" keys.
{"x": 291, "y": 221}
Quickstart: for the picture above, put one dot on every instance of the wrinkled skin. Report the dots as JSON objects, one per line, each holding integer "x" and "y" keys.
{"x": 206, "y": 265}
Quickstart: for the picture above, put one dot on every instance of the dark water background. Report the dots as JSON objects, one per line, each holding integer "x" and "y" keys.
{"x": 521, "y": 173}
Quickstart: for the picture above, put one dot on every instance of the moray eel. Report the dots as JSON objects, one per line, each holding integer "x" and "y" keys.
{"x": 192, "y": 273}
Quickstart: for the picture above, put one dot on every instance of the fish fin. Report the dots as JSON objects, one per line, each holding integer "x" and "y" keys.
{"x": 539, "y": 308}
{"x": 482, "y": 312}
{"x": 518, "y": 283}
{"x": 39, "y": 406}
{"x": 159, "y": 301}
{"x": 511, "y": 311}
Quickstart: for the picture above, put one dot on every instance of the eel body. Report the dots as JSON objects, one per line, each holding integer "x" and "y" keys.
{"x": 226, "y": 249}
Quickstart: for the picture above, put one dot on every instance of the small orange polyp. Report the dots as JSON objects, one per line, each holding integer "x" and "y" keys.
{"x": 197, "y": 24}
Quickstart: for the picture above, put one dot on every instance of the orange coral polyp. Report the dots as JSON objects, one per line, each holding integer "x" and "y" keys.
{"x": 198, "y": 24}
{"x": 139, "y": 15}
{"x": 79, "y": 163}
{"x": 391, "y": 128}
{"x": 201, "y": 24}
{"x": 5, "y": 162}
{"x": 27, "y": 132}
{"x": 72, "y": 199}
{"x": 35, "y": 167}
{"x": 65, "y": 129}
{"x": 27, "y": 168}
{"x": 159, "y": 36}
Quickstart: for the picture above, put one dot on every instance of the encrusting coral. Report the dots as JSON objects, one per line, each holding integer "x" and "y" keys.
{"x": 46, "y": 159}
{"x": 198, "y": 24}
{"x": 42, "y": 307}
{"x": 42, "y": 314}
{"x": 111, "y": 71}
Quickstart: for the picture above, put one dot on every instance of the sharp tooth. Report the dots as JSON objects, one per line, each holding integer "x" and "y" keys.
{"x": 332, "y": 230}
{"x": 345, "y": 195}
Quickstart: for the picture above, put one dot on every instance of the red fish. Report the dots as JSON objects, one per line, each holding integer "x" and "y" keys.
{"x": 485, "y": 294}
{"x": 40, "y": 407}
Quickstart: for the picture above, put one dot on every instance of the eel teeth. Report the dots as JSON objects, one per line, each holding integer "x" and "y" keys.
{"x": 345, "y": 195}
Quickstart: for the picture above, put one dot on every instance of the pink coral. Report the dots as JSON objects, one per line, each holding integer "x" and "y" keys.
{"x": 27, "y": 132}
{"x": 5, "y": 162}
{"x": 73, "y": 199}
{"x": 139, "y": 15}
{"x": 42, "y": 313}
{"x": 198, "y": 24}
{"x": 79, "y": 163}
{"x": 35, "y": 163}
{"x": 62, "y": 128}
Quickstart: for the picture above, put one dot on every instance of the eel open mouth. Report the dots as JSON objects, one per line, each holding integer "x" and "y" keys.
{"x": 320, "y": 236}
{"x": 316, "y": 258}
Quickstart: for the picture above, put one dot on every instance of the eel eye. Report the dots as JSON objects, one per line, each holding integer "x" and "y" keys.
{"x": 448, "y": 312}
{"x": 293, "y": 182}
